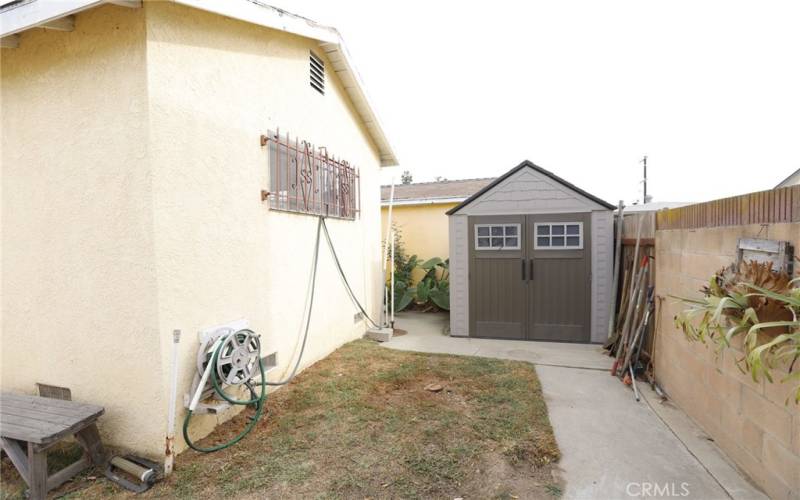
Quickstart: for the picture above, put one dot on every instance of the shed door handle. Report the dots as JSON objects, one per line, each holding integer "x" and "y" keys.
{"x": 531, "y": 271}
{"x": 523, "y": 269}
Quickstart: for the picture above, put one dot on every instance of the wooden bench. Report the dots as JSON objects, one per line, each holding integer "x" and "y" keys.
{"x": 29, "y": 425}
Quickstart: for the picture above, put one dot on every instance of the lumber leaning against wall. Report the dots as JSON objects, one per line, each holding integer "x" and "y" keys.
{"x": 749, "y": 420}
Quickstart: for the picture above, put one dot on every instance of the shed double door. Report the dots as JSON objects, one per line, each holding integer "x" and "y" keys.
{"x": 530, "y": 277}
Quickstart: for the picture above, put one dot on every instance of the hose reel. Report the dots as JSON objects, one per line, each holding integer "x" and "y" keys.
{"x": 227, "y": 358}
{"x": 237, "y": 363}
{"x": 238, "y": 357}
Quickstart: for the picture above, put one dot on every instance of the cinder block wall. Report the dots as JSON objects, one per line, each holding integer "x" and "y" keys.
{"x": 749, "y": 420}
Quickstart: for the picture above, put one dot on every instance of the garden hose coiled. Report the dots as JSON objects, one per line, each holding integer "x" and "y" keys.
{"x": 258, "y": 401}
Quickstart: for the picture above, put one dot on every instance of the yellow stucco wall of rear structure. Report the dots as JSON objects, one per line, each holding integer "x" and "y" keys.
{"x": 423, "y": 228}
{"x": 131, "y": 181}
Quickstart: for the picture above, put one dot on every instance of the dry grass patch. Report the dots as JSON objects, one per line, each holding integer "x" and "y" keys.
{"x": 360, "y": 424}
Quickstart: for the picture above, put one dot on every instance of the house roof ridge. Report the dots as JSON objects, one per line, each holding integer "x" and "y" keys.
{"x": 439, "y": 182}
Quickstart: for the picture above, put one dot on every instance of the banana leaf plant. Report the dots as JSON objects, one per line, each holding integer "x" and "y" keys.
{"x": 753, "y": 300}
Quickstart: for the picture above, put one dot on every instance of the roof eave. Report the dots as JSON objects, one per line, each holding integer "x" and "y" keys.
{"x": 424, "y": 201}
{"x": 330, "y": 41}
{"x": 35, "y": 14}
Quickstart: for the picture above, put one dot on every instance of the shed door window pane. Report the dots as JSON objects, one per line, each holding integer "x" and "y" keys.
{"x": 559, "y": 235}
{"x": 497, "y": 236}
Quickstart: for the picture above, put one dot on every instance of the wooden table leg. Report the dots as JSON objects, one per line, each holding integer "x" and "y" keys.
{"x": 18, "y": 455}
{"x": 89, "y": 439}
{"x": 37, "y": 472}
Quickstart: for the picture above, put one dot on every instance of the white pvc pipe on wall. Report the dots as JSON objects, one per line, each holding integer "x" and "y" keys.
{"x": 169, "y": 460}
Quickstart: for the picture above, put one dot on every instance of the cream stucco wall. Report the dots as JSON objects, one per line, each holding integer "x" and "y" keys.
{"x": 139, "y": 210}
{"x": 221, "y": 254}
{"x": 424, "y": 229}
{"x": 78, "y": 270}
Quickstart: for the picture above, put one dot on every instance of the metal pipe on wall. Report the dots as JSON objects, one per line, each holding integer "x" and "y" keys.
{"x": 169, "y": 459}
{"x": 389, "y": 234}
{"x": 617, "y": 259}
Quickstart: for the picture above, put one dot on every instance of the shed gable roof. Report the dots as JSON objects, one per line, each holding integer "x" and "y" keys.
{"x": 546, "y": 173}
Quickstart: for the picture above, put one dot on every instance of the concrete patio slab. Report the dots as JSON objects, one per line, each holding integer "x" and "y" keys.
{"x": 425, "y": 334}
{"x": 612, "y": 446}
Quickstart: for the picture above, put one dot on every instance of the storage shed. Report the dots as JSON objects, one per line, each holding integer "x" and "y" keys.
{"x": 531, "y": 258}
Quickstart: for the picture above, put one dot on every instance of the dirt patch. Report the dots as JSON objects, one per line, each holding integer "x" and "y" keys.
{"x": 360, "y": 424}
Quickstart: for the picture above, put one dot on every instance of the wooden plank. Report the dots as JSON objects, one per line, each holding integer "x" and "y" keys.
{"x": 89, "y": 438}
{"x": 16, "y": 408}
{"x": 21, "y": 433}
{"x": 37, "y": 473}
{"x": 53, "y": 406}
{"x": 66, "y": 23}
{"x": 67, "y": 473}
{"x": 56, "y": 403}
{"x": 43, "y": 428}
{"x": 39, "y": 432}
{"x": 18, "y": 457}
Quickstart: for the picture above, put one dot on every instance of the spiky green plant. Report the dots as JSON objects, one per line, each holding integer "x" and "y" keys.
{"x": 754, "y": 300}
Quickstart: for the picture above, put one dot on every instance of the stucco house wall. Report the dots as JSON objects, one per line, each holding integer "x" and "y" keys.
{"x": 138, "y": 211}
{"x": 80, "y": 301}
{"x": 751, "y": 421}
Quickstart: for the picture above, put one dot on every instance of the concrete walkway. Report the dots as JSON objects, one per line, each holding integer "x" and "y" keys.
{"x": 612, "y": 446}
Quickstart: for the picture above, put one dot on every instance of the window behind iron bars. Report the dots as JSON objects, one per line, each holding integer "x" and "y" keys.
{"x": 307, "y": 179}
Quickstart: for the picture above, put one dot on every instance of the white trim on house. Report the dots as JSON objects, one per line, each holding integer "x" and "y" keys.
{"x": 37, "y": 13}
{"x": 424, "y": 201}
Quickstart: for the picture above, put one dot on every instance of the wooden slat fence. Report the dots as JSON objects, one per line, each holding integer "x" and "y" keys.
{"x": 764, "y": 207}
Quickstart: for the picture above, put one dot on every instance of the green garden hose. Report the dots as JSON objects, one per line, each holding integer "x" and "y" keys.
{"x": 257, "y": 400}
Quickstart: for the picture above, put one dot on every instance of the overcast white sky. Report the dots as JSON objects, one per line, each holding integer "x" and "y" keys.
{"x": 709, "y": 90}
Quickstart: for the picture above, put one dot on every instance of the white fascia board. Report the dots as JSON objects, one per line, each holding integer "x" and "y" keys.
{"x": 34, "y": 14}
{"x": 423, "y": 201}
{"x": 41, "y": 12}
{"x": 351, "y": 81}
{"x": 255, "y": 12}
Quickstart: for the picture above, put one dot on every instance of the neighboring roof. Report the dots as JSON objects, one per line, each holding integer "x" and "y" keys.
{"x": 433, "y": 192}
{"x": 792, "y": 180}
{"x": 27, "y": 14}
{"x": 655, "y": 206}
{"x": 529, "y": 164}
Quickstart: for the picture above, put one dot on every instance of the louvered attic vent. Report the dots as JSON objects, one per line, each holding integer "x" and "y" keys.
{"x": 317, "y": 73}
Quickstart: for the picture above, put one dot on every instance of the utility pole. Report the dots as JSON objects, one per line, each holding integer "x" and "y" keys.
{"x": 644, "y": 163}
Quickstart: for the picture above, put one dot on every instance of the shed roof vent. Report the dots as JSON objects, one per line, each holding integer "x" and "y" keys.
{"x": 317, "y": 73}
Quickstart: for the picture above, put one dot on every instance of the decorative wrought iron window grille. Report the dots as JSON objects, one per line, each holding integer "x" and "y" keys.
{"x": 306, "y": 179}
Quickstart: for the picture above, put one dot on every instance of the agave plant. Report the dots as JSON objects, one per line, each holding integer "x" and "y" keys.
{"x": 754, "y": 300}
